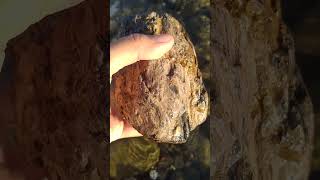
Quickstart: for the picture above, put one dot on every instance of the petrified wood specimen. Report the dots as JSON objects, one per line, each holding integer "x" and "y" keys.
{"x": 163, "y": 99}
{"x": 53, "y": 106}
{"x": 261, "y": 117}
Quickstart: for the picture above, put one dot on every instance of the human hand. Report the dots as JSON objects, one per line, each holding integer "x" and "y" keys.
{"x": 126, "y": 51}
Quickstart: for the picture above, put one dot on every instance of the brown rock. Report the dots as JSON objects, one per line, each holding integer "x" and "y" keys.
{"x": 163, "y": 99}
{"x": 53, "y": 92}
{"x": 261, "y": 117}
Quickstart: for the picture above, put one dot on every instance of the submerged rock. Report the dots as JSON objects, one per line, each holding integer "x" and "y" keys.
{"x": 132, "y": 156}
{"x": 164, "y": 99}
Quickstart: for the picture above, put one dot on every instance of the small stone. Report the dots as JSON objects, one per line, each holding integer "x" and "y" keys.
{"x": 163, "y": 99}
{"x": 153, "y": 174}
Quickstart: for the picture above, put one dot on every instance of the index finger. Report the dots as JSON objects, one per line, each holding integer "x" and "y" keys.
{"x": 135, "y": 47}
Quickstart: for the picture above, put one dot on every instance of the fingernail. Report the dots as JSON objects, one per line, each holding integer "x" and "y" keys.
{"x": 163, "y": 38}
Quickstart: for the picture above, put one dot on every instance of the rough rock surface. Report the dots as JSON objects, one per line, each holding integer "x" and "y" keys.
{"x": 53, "y": 89}
{"x": 190, "y": 160}
{"x": 163, "y": 99}
{"x": 261, "y": 116}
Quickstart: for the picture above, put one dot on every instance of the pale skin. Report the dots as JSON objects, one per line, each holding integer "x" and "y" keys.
{"x": 124, "y": 52}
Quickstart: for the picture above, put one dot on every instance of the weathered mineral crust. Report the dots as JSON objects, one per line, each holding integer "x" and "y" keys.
{"x": 163, "y": 99}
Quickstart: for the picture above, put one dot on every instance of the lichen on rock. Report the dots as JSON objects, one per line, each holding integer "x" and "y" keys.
{"x": 163, "y": 99}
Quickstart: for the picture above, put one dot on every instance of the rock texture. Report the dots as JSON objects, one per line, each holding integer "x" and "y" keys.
{"x": 190, "y": 160}
{"x": 261, "y": 116}
{"x": 163, "y": 99}
{"x": 53, "y": 106}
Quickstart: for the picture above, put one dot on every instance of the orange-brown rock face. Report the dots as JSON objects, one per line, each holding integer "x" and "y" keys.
{"x": 163, "y": 99}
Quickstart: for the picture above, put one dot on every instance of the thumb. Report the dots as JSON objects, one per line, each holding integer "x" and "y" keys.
{"x": 135, "y": 47}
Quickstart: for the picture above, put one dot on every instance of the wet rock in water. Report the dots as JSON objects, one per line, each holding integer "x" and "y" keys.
{"x": 141, "y": 154}
{"x": 164, "y": 99}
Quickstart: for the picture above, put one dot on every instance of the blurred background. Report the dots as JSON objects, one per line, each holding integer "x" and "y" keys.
{"x": 303, "y": 19}
{"x": 16, "y": 16}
